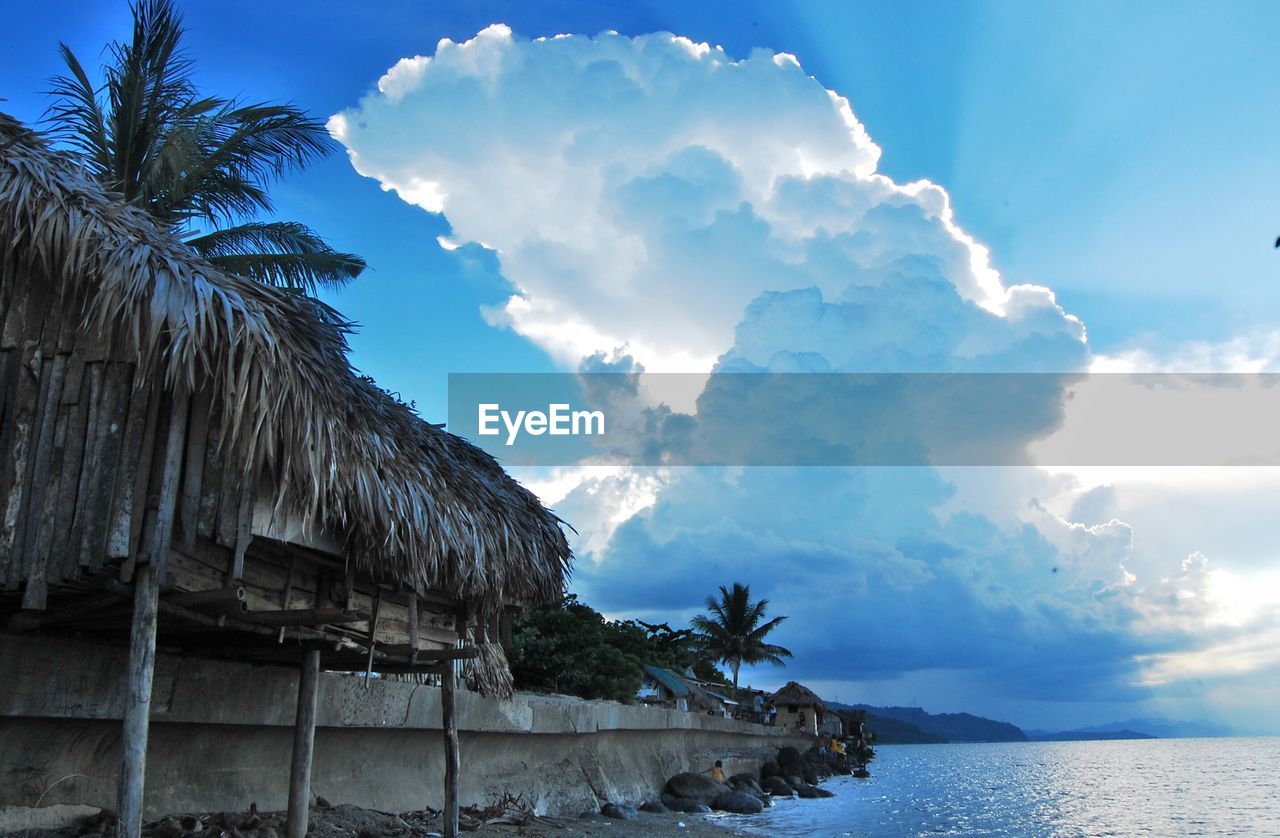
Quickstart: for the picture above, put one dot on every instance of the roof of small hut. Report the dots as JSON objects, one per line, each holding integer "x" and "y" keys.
{"x": 415, "y": 504}
{"x": 798, "y": 694}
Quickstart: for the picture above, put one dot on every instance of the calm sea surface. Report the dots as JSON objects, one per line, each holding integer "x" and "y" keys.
{"x": 1160, "y": 787}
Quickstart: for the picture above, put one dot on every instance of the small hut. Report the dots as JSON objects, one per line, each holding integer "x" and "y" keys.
{"x": 800, "y": 708}
{"x": 663, "y": 688}
{"x": 189, "y": 454}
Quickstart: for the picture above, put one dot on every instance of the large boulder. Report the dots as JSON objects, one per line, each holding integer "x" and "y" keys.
{"x": 778, "y": 786}
{"x": 769, "y": 769}
{"x": 697, "y": 787}
{"x": 789, "y": 759}
{"x": 654, "y": 806}
{"x": 744, "y": 777}
{"x": 748, "y": 785}
{"x": 737, "y": 802}
{"x": 809, "y": 792}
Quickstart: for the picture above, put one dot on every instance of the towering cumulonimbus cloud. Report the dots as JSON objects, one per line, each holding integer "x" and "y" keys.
{"x": 641, "y": 192}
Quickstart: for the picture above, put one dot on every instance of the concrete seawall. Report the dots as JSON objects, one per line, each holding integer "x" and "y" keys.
{"x": 221, "y": 734}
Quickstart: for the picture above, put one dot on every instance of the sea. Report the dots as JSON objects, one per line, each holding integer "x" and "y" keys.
{"x": 1157, "y": 787}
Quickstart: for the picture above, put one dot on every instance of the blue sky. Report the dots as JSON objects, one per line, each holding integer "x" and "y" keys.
{"x": 1123, "y": 156}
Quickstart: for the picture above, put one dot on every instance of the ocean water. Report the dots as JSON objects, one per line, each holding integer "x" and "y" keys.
{"x": 1157, "y": 787}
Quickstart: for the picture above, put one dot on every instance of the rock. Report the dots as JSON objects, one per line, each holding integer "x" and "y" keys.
{"x": 654, "y": 806}
{"x": 809, "y": 792}
{"x": 697, "y": 787}
{"x": 769, "y": 769}
{"x": 789, "y": 758}
{"x": 618, "y": 812}
{"x": 322, "y": 803}
{"x": 861, "y": 773}
{"x": 685, "y": 804}
{"x": 794, "y": 781}
{"x": 744, "y": 777}
{"x": 167, "y": 828}
{"x": 592, "y": 816}
{"x": 810, "y": 775}
{"x": 737, "y": 802}
{"x": 778, "y": 786}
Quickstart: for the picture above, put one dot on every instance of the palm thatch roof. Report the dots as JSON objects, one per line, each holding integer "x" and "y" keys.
{"x": 799, "y": 695}
{"x": 408, "y": 501}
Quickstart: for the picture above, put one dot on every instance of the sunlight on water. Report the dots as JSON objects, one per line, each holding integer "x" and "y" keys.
{"x": 1163, "y": 787}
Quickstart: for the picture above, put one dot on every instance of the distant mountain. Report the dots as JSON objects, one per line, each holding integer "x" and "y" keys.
{"x": 904, "y": 725}
{"x": 1084, "y": 735}
{"x": 1163, "y": 728}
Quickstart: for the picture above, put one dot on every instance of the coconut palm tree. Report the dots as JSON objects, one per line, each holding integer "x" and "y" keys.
{"x": 198, "y": 164}
{"x": 733, "y": 630}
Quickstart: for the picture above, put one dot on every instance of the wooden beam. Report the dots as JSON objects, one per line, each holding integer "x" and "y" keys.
{"x": 230, "y": 599}
{"x": 142, "y": 640}
{"x": 304, "y": 738}
{"x": 305, "y": 616}
{"x": 449, "y": 720}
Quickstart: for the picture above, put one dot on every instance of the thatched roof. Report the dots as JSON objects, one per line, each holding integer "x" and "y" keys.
{"x": 410, "y": 502}
{"x": 798, "y": 694}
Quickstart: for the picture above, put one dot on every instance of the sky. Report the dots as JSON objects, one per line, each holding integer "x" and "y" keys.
{"x": 850, "y": 187}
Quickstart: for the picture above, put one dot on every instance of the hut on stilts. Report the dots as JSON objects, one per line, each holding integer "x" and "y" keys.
{"x": 188, "y": 454}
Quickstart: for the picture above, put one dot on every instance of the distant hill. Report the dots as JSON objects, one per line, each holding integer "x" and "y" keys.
{"x": 1085, "y": 735}
{"x": 912, "y": 725}
{"x": 1148, "y": 728}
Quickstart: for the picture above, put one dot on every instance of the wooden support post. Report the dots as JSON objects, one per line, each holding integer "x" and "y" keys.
{"x": 142, "y": 640}
{"x": 450, "y": 724}
{"x": 373, "y": 631}
{"x": 415, "y": 636}
{"x": 304, "y": 740}
{"x": 137, "y": 709}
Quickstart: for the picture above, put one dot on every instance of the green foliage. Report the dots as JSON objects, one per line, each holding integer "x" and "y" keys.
{"x": 197, "y": 164}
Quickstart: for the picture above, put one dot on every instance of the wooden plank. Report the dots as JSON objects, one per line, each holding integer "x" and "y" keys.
{"x": 193, "y": 476}
{"x": 17, "y": 471}
{"x": 93, "y": 416}
{"x": 211, "y": 484}
{"x": 244, "y": 531}
{"x": 415, "y": 633}
{"x": 137, "y": 447}
{"x": 304, "y": 739}
{"x": 112, "y": 419}
{"x": 44, "y": 490}
{"x": 74, "y": 422}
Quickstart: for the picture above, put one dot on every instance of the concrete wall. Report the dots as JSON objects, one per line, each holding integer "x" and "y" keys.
{"x": 221, "y": 734}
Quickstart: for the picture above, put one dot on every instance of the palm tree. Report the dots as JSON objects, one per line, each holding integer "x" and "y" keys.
{"x": 733, "y": 631}
{"x": 198, "y": 164}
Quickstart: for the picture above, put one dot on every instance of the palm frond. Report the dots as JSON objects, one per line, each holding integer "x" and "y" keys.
{"x": 285, "y": 254}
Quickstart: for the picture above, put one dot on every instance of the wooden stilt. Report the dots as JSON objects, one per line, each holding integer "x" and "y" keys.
{"x": 450, "y": 723}
{"x": 142, "y": 640}
{"x": 137, "y": 709}
{"x": 304, "y": 738}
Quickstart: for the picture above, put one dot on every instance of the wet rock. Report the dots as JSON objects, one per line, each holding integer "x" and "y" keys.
{"x": 618, "y": 812}
{"x": 697, "y": 787}
{"x": 778, "y": 786}
{"x": 769, "y": 769}
{"x": 738, "y": 802}
{"x": 744, "y": 777}
{"x": 789, "y": 758}
{"x": 685, "y": 804}
{"x": 654, "y": 806}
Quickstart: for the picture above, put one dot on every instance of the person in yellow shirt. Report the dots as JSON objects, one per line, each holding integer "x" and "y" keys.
{"x": 837, "y": 747}
{"x": 717, "y": 773}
